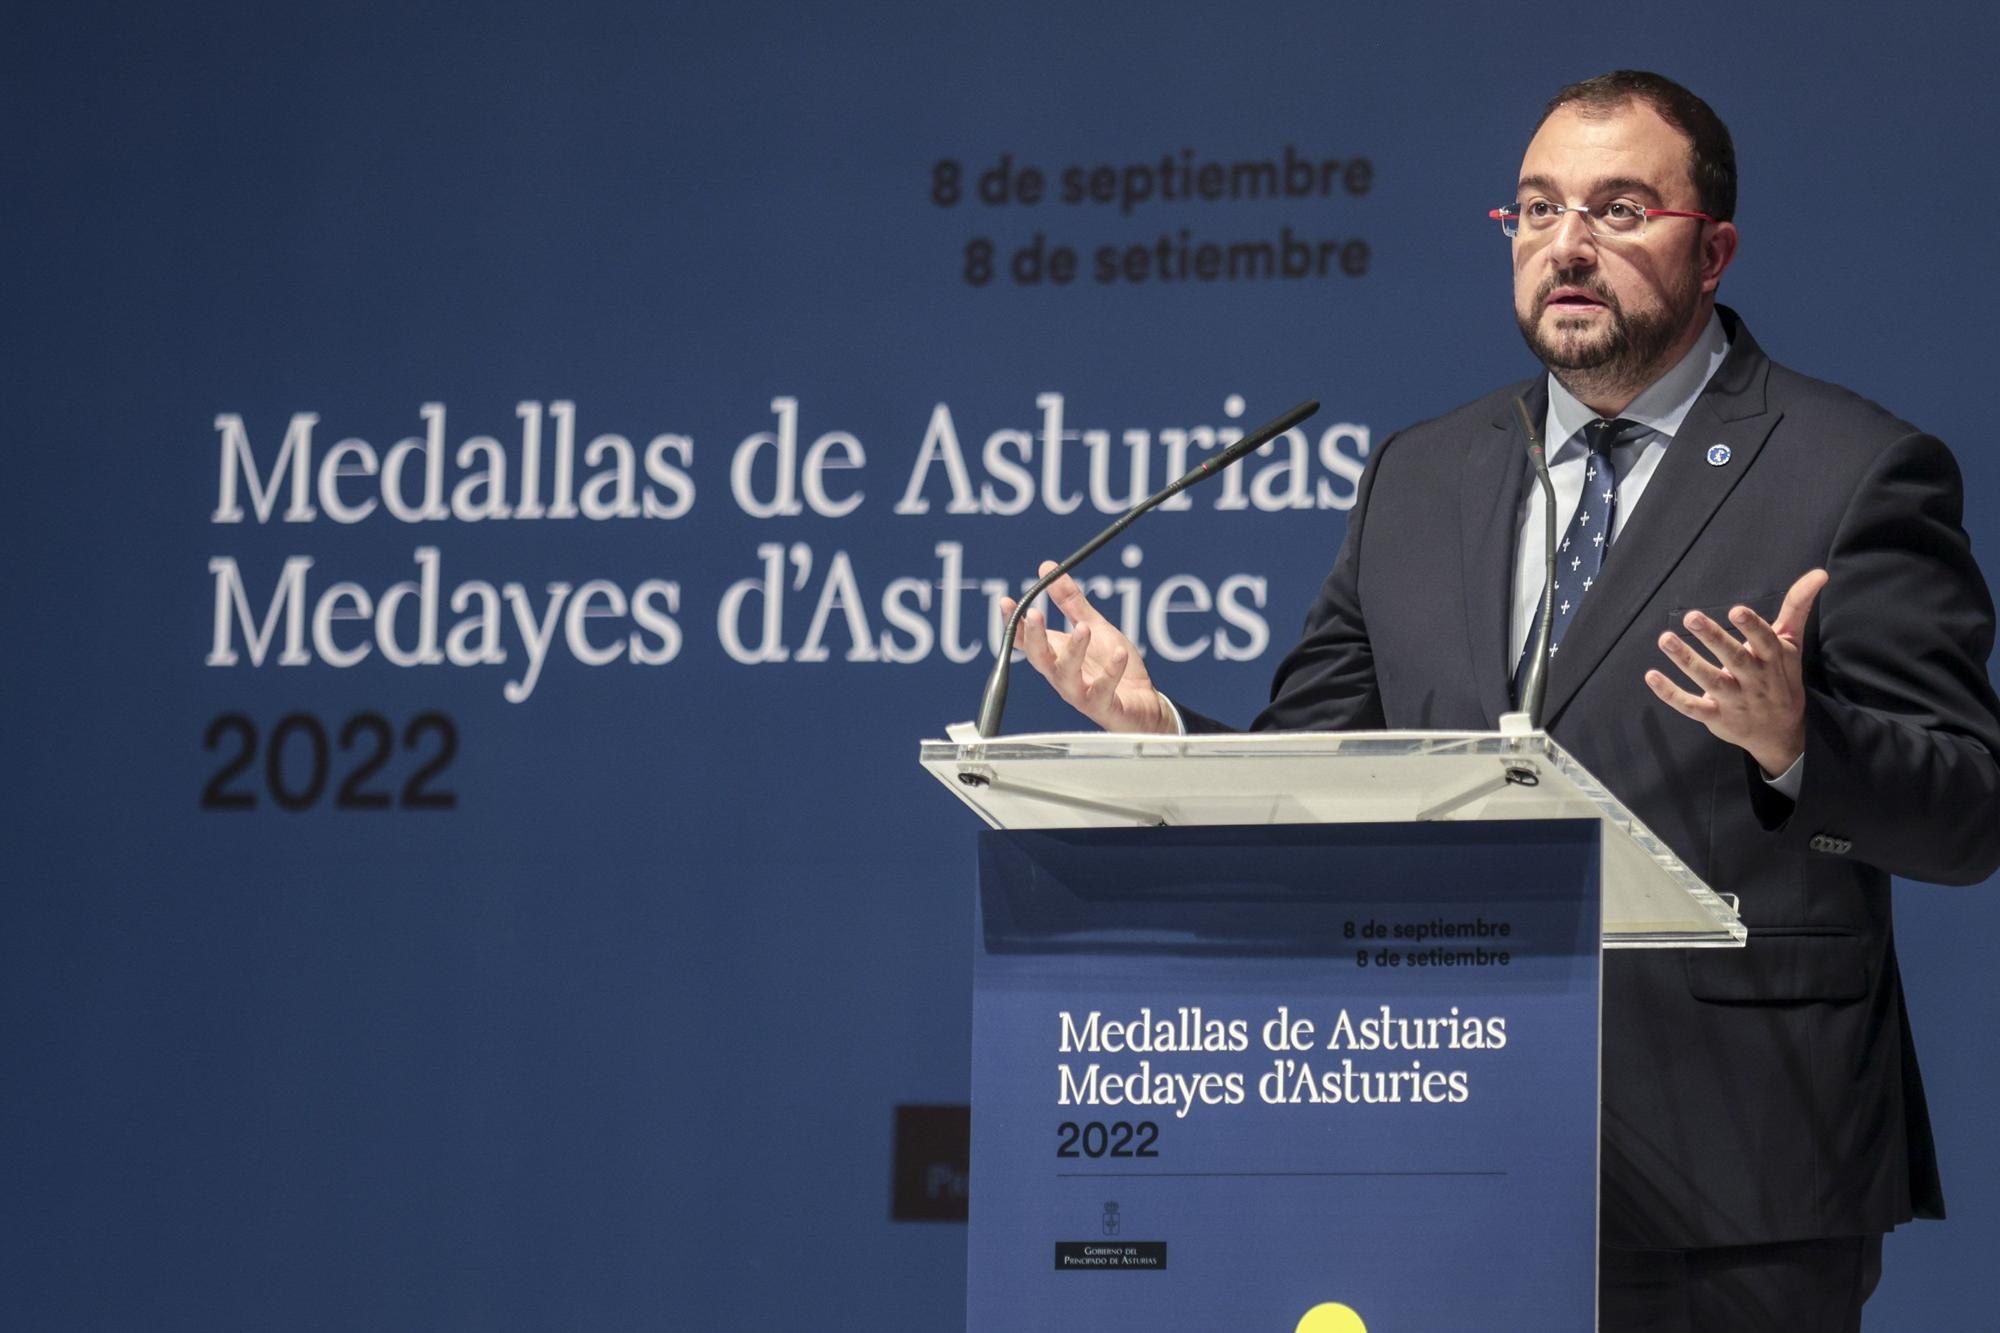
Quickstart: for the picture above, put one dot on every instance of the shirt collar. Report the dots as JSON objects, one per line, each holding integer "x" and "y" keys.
{"x": 1663, "y": 405}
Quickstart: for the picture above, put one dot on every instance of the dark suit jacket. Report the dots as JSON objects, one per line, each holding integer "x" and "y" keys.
{"x": 1770, "y": 1093}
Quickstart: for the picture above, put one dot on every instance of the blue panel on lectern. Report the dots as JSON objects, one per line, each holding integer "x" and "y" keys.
{"x": 1223, "y": 1076}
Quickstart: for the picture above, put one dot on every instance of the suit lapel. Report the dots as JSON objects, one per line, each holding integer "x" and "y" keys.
{"x": 1683, "y": 495}
{"x": 1489, "y": 507}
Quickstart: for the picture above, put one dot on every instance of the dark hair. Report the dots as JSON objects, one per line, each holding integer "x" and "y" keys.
{"x": 1712, "y": 155}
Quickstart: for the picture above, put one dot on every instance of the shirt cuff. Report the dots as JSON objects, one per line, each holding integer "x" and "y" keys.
{"x": 1787, "y": 783}
{"x": 1180, "y": 727}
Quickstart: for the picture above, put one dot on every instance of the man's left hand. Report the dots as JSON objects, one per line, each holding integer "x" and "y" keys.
{"x": 1753, "y": 693}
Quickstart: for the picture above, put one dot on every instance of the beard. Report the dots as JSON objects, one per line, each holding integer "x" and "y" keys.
{"x": 1627, "y": 349}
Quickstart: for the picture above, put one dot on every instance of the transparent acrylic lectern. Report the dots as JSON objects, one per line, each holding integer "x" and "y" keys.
{"x": 1063, "y": 780}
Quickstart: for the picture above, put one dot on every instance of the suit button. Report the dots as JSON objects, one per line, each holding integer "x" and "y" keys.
{"x": 1826, "y": 842}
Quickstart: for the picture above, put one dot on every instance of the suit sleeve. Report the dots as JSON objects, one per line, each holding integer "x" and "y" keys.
{"x": 1901, "y": 727}
{"x": 1327, "y": 681}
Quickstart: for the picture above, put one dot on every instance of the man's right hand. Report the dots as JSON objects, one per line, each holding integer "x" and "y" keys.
{"x": 1093, "y": 666}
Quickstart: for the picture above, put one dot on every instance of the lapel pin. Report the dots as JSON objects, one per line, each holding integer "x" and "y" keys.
{"x": 1718, "y": 454}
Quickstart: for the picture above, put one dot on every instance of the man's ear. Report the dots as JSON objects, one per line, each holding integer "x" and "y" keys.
{"x": 1718, "y": 251}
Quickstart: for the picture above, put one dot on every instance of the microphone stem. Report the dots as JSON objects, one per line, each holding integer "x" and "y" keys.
{"x": 1535, "y": 688}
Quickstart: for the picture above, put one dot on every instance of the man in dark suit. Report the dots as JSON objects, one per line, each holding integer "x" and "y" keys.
{"x": 1771, "y": 646}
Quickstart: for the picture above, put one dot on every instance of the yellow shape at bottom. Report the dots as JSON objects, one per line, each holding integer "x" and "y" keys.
{"x": 1331, "y": 1318}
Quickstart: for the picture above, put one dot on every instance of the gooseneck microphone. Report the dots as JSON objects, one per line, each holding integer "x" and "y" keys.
{"x": 994, "y": 701}
{"x": 1537, "y": 684}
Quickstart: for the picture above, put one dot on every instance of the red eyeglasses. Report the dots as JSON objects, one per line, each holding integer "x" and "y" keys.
{"x": 1620, "y": 217}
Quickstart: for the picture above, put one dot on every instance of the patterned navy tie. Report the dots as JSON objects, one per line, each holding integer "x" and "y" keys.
{"x": 1580, "y": 552}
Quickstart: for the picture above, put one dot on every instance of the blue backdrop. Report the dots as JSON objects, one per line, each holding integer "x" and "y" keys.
{"x": 567, "y": 963}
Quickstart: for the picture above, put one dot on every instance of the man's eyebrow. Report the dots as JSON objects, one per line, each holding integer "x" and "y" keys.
{"x": 1598, "y": 189}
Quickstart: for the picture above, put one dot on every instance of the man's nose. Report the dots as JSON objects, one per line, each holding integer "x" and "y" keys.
{"x": 1573, "y": 243}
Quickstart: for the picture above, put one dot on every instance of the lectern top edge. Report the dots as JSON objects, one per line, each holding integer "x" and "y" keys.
{"x": 1099, "y": 779}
